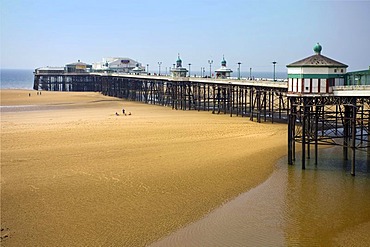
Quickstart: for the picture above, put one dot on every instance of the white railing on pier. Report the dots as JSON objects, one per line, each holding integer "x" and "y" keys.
{"x": 352, "y": 90}
{"x": 242, "y": 81}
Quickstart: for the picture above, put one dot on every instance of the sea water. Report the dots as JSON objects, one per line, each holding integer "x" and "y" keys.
{"x": 16, "y": 79}
{"x": 320, "y": 206}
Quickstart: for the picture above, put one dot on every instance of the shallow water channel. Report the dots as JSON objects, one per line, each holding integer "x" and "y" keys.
{"x": 320, "y": 206}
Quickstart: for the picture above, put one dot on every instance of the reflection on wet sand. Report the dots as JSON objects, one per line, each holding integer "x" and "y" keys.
{"x": 320, "y": 206}
{"x": 325, "y": 201}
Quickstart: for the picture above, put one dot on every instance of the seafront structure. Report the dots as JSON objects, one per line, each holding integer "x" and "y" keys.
{"x": 117, "y": 64}
{"x": 325, "y": 109}
{"x": 316, "y": 74}
{"x": 178, "y": 70}
{"x": 138, "y": 69}
{"x": 78, "y": 67}
{"x": 223, "y": 72}
{"x": 320, "y": 102}
{"x": 359, "y": 78}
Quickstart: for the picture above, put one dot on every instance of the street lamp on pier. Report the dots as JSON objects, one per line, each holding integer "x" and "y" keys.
{"x": 159, "y": 68}
{"x": 210, "y": 68}
{"x": 239, "y": 63}
{"x": 250, "y": 73}
{"x": 189, "y": 69}
{"x": 147, "y": 69}
{"x": 274, "y": 63}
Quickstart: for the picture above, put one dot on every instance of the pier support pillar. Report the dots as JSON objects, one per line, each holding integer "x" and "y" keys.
{"x": 368, "y": 141}
{"x": 316, "y": 131}
{"x": 290, "y": 142}
{"x": 304, "y": 130}
{"x": 353, "y": 165}
{"x": 309, "y": 129}
{"x": 346, "y": 131}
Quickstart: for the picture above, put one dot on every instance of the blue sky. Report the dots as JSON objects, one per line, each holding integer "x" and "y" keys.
{"x": 40, "y": 33}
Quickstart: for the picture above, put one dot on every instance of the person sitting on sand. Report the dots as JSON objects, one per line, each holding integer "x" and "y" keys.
{"x": 117, "y": 114}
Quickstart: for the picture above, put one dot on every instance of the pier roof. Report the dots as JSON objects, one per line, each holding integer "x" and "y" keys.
{"x": 76, "y": 63}
{"x": 317, "y": 60}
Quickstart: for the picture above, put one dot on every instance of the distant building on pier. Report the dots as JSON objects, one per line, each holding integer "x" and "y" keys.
{"x": 78, "y": 67}
{"x": 316, "y": 74}
{"x": 138, "y": 70}
{"x": 50, "y": 70}
{"x": 117, "y": 64}
{"x": 223, "y": 72}
{"x": 361, "y": 77}
{"x": 178, "y": 71}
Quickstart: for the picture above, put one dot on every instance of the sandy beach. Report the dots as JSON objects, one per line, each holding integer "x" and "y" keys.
{"x": 75, "y": 174}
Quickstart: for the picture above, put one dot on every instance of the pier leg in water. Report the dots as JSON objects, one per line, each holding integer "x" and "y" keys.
{"x": 309, "y": 129}
{"x": 346, "y": 132}
{"x": 353, "y": 165}
{"x": 304, "y": 135}
{"x": 316, "y": 132}
{"x": 290, "y": 132}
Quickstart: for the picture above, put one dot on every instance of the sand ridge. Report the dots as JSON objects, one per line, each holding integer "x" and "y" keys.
{"x": 73, "y": 173}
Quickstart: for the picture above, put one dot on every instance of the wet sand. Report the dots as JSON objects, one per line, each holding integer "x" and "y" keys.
{"x": 75, "y": 174}
{"x": 322, "y": 205}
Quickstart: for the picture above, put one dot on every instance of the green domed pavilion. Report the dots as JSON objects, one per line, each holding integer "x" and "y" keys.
{"x": 316, "y": 74}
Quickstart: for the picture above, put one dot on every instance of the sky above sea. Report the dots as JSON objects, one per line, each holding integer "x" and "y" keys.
{"x": 254, "y": 33}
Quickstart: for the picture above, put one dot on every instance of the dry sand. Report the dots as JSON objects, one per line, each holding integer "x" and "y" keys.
{"x": 75, "y": 174}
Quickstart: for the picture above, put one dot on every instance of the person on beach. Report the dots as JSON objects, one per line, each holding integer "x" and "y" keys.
{"x": 117, "y": 114}
{"x": 29, "y": 95}
{"x": 123, "y": 110}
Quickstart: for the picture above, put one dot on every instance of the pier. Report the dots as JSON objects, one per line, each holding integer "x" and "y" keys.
{"x": 258, "y": 100}
{"x": 341, "y": 118}
{"x": 321, "y": 102}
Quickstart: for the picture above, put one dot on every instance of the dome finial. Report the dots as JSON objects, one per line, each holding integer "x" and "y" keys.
{"x": 178, "y": 62}
{"x": 223, "y": 62}
{"x": 317, "y": 48}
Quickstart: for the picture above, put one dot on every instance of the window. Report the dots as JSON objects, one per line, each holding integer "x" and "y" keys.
{"x": 335, "y": 70}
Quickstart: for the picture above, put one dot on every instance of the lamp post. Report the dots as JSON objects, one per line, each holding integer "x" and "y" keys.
{"x": 189, "y": 68}
{"x": 274, "y": 63}
{"x": 239, "y": 63}
{"x": 159, "y": 68}
{"x": 210, "y": 68}
{"x": 250, "y": 73}
{"x": 147, "y": 69}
